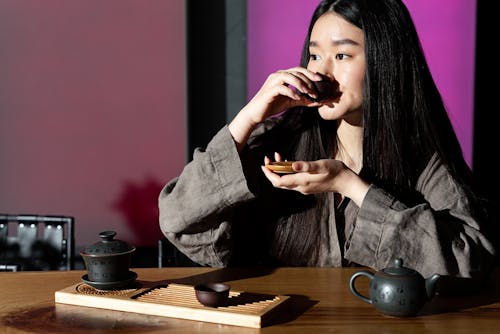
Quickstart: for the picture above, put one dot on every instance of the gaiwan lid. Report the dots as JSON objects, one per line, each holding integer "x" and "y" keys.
{"x": 108, "y": 245}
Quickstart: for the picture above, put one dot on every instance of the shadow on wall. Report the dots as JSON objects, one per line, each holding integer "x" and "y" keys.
{"x": 138, "y": 204}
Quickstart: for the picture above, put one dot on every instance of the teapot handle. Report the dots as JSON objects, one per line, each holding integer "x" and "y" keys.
{"x": 353, "y": 287}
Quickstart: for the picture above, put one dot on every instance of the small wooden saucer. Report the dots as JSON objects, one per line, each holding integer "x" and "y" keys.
{"x": 281, "y": 167}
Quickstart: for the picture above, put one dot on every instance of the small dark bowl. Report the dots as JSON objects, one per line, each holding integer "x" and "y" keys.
{"x": 212, "y": 294}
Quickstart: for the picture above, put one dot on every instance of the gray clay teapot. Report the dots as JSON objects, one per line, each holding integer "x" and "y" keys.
{"x": 397, "y": 290}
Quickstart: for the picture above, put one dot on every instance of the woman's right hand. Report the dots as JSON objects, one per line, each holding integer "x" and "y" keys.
{"x": 281, "y": 90}
{"x": 278, "y": 93}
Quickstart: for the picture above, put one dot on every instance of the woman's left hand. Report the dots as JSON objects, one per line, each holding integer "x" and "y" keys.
{"x": 326, "y": 175}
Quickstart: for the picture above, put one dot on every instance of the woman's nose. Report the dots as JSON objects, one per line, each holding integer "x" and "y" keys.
{"x": 324, "y": 68}
{"x": 327, "y": 75}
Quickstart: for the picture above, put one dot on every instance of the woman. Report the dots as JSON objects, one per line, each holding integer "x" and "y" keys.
{"x": 379, "y": 170}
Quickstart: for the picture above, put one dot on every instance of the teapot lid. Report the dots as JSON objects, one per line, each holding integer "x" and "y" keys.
{"x": 398, "y": 269}
{"x": 108, "y": 245}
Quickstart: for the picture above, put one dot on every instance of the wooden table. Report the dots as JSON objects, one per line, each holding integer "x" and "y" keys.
{"x": 320, "y": 302}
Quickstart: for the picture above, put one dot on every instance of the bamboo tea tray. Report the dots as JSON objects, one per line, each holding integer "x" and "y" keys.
{"x": 176, "y": 301}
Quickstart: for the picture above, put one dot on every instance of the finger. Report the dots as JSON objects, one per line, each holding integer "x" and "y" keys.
{"x": 308, "y": 73}
{"x": 271, "y": 176}
{"x": 289, "y": 92}
{"x": 275, "y": 179}
{"x": 297, "y": 80}
{"x": 297, "y": 98}
{"x": 266, "y": 160}
{"x": 309, "y": 78}
{"x": 307, "y": 87}
{"x": 277, "y": 156}
{"x": 305, "y": 166}
{"x": 300, "y": 166}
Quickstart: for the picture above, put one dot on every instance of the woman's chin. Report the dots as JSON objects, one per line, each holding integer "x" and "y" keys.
{"x": 334, "y": 111}
{"x": 329, "y": 113}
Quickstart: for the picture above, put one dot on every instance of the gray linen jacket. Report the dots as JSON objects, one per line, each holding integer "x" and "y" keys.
{"x": 216, "y": 210}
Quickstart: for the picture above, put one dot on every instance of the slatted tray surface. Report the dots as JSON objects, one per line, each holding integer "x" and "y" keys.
{"x": 177, "y": 301}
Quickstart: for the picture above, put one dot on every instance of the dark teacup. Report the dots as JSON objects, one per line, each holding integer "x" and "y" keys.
{"x": 325, "y": 89}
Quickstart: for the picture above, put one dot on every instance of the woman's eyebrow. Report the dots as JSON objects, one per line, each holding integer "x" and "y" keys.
{"x": 336, "y": 42}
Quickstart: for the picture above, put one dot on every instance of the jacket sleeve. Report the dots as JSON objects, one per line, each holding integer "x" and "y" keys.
{"x": 195, "y": 208}
{"x": 443, "y": 234}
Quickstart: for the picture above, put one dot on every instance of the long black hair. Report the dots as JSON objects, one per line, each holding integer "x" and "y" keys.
{"x": 405, "y": 121}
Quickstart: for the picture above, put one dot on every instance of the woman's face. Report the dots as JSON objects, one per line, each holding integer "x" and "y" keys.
{"x": 337, "y": 50}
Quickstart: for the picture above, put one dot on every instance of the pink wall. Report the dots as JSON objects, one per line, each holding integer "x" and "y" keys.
{"x": 277, "y": 29}
{"x": 93, "y": 102}
{"x": 92, "y": 111}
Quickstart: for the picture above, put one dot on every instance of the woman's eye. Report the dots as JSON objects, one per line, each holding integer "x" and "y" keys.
{"x": 341, "y": 56}
{"x": 314, "y": 57}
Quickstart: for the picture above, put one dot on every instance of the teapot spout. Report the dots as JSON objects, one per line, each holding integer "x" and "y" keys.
{"x": 430, "y": 285}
